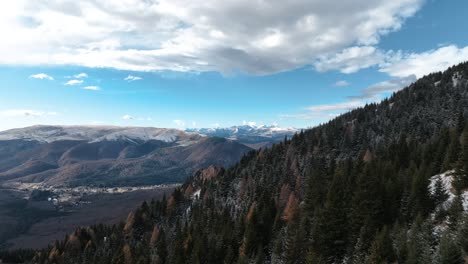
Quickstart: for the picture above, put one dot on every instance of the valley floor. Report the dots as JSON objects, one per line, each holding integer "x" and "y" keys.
{"x": 26, "y": 223}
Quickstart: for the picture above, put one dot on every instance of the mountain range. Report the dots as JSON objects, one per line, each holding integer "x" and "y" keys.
{"x": 249, "y": 135}
{"x": 110, "y": 156}
{"x": 121, "y": 156}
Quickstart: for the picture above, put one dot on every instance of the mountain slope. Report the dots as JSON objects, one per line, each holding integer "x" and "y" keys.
{"x": 354, "y": 190}
{"x": 78, "y": 155}
{"x": 249, "y": 135}
{"x": 96, "y": 134}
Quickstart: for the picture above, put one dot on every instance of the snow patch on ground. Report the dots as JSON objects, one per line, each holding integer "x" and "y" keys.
{"x": 447, "y": 179}
{"x": 196, "y": 195}
{"x": 456, "y": 78}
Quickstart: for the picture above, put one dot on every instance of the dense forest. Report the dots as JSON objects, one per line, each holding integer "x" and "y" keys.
{"x": 369, "y": 186}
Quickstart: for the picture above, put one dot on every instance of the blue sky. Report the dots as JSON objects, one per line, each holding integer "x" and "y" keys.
{"x": 197, "y": 65}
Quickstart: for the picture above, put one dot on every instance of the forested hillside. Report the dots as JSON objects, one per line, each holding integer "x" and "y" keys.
{"x": 359, "y": 189}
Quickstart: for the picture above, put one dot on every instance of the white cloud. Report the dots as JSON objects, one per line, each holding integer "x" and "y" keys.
{"x": 81, "y": 75}
{"x": 187, "y": 35}
{"x": 420, "y": 64}
{"x": 127, "y": 117}
{"x": 42, "y": 76}
{"x": 394, "y": 85}
{"x": 25, "y": 113}
{"x": 132, "y": 78}
{"x": 342, "y": 83}
{"x": 179, "y": 123}
{"x": 396, "y": 64}
{"x": 325, "y": 112}
{"x": 341, "y": 107}
{"x": 316, "y": 116}
{"x": 74, "y": 82}
{"x": 351, "y": 60}
{"x": 92, "y": 88}
{"x": 373, "y": 93}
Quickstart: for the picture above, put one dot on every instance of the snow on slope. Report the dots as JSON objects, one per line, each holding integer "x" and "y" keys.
{"x": 237, "y": 132}
{"x": 447, "y": 179}
{"x": 98, "y": 134}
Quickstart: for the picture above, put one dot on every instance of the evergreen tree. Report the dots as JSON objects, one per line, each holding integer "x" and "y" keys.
{"x": 420, "y": 198}
{"x": 367, "y": 206}
{"x": 381, "y": 250}
{"x": 440, "y": 194}
{"x": 332, "y": 230}
{"x": 455, "y": 212}
{"x": 449, "y": 250}
{"x": 462, "y": 234}
{"x": 420, "y": 241}
{"x": 400, "y": 238}
{"x": 161, "y": 247}
{"x": 461, "y": 173}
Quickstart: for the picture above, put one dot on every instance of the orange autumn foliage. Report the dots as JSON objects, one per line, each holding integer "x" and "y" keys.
{"x": 291, "y": 209}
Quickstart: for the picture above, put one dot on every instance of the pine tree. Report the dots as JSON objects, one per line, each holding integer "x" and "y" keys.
{"x": 420, "y": 241}
{"x": 420, "y": 198}
{"x": 294, "y": 251}
{"x": 462, "y": 234}
{"x": 367, "y": 206}
{"x": 461, "y": 172}
{"x": 161, "y": 247}
{"x": 460, "y": 122}
{"x": 450, "y": 252}
{"x": 331, "y": 232}
{"x": 455, "y": 212}
{"x": 453, "y": 151}
{"x": 315, "y": 188}
{"x": 440, "y": 194}
{"x": 178, "y": 255}
{"x": 381, "y": 250}
{"x": 400, "y": 238}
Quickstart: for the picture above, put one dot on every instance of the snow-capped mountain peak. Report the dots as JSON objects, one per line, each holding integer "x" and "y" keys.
{"x": 249, "y": 133}
{"x": 97, "y": 134}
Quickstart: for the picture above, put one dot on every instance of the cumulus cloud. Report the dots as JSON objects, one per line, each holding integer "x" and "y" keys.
{"x": 187, "y": 35}
{"x": 179, "y": 123}
{"x": 342, "y": 83}
{"x": 74, "y": 82}
{"x": 127, "y": 117}
{"x": 324, "y": 112}
{"x": 42, "y": 76}
{"x": 345, "y": 106}
{"x": 351, "y": 60}
{"x": 373, "y": 93}
{"x": 132, "y": 78}
{"x": 394, "y": 85}
{"x": 395, "y": 63}
{"x": 92, "y": 88}
{"x": 420, "y": 64}
{"x": 25, "y": 113}
{"x": 81, "y": 75}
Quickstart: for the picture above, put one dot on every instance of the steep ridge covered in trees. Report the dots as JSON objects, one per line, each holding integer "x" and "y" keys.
{"x": 354, "y": 190}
